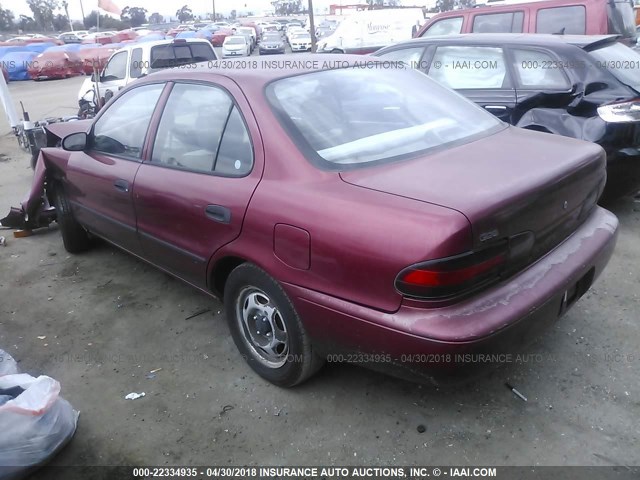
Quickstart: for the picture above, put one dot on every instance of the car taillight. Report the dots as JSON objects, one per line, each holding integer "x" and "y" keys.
{"x": 622, "y": 112}
{"x": 453, "y": 276}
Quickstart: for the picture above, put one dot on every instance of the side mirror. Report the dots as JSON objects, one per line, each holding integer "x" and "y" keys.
{"x": 76, "y": 142}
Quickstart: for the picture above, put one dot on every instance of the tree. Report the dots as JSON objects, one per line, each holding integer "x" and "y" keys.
{"x": 134, "y": 16}
{"x": 78, "y": 25}
{"x": 156, "y": 18}
{"x": 6, "y": 19}
{"x": 233, "y": 14}
{"x": 60, "y": 23}
{"x": 43, "y": 12}
{"x": 184, "y": 14}
{"x": 287, "y": 7}
{"x": 27, "y": 24}
{"x": 447, "y": 5}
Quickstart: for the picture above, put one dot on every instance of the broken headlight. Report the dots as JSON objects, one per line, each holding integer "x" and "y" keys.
{"x": 620, "y": 112}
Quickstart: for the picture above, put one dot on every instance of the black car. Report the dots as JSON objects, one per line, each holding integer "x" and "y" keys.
{"x": 69, "y": 38}
{"x": 586, "y": 87}
{"x": 271, "y": 43}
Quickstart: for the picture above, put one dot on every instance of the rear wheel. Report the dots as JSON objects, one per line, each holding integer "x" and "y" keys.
{"x": 266, "y": 328}
{"x": 74, "y": 236}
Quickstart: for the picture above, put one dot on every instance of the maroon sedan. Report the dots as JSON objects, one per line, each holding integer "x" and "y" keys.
{"x": 366, "y": 213}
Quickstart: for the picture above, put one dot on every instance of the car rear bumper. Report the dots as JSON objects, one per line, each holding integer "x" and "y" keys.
{"x": 442, "y": 343}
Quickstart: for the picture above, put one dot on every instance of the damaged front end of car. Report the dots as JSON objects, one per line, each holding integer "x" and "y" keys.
{"x": 36, "y": 209}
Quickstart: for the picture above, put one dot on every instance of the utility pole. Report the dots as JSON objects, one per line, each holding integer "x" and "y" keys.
{"x": 312, "y": 27}
{"x": 82, "y": 11}
{"x": 214, "y": 9}
{"x": 65, "y": 5}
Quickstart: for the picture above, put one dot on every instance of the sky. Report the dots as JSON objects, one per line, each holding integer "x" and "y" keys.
{"x": 168, "y": 7}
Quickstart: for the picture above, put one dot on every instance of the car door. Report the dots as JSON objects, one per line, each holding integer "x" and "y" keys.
{"x": 99, "y": 180}
{"x": 191, "y": 196}
{"x": 540, "y": 79}
{"x": 479, "y": 73}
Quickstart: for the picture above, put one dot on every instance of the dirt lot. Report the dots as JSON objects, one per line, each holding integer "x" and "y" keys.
{"x": 110, "y": 319}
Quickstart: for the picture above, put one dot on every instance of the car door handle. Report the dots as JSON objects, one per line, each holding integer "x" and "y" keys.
{"x": 121, "y": 185}
{"x": 218, "y": 213}
{"x": 495, "y": 107}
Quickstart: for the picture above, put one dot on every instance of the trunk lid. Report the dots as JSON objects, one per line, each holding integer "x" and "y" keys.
{"x": 509, "y": 185}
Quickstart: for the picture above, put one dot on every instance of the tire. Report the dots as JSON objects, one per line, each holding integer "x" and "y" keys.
{"x": 336, "y": 50}
{"x": 253, "y": 297}
{"x": 74, "y": 237}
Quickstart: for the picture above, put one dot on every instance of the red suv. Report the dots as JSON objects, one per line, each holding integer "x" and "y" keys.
{"x": 580, "y": 17}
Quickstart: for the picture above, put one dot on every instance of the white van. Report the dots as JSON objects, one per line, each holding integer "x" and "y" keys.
{"x": 367, "y": 31}
{"x": 142, "y": 58}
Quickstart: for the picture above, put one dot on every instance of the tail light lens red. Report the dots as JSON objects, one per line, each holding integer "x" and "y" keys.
{"x": 453, "y": 276}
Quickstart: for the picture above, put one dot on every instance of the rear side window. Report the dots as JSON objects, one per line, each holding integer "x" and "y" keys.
{"x": 533, "y": 69}
{"x": 446, "y": 26}
{"x": 173, "y": 55}
{"x": 135, "y": 68}
{"x": 562, "y": 20}
{"x": 410, "y": 56}
{"x": 202, "y": 130}
{"x": 122, "y": 128}
{"x": 510, "y": 22}
{"x": 469, "y": 67}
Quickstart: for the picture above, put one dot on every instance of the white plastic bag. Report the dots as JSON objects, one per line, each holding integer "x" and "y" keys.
{"x": 34, "y": 425}
{"x": 8, "y": 365}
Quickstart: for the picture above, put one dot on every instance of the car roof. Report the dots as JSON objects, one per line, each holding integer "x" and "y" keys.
{"x": 586, "y": 42}
{"x": 155, "y": 43}
{"x": 266, "y": 71}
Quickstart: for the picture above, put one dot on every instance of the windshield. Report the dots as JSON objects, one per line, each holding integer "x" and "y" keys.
{"x": 622, "y": 19}
{"x": 621, "y": 61}
{"x": 272, "y": 38}
{"x": 364, "y": 115}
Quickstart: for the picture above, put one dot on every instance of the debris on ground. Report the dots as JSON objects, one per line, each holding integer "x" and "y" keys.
{"x": 421, "y": 429}
{"x": 225, "y": 409}
{"x": 3, "y": 242}
{"x": 199, "y": 312}
{"x": 134, "y": 396}
{"x": 515, "y": 392}
{"x": 22, "y": 233}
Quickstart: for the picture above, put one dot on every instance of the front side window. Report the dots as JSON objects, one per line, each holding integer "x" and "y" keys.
{"x": 358, "y": 116}
{"x": 447, "y": 26}
{"x": 469, "y": 67}
{"x": 510, "y": 22}
{"x": 116, "y": 69}
{"x": 122, "y": 128}
{"x": 531, "y": 67}
{"x": 202, "y": 130}
{"x": 562, "y": 20}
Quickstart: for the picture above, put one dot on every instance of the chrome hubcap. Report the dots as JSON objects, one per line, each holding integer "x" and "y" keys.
{"x": 265, "y": 332}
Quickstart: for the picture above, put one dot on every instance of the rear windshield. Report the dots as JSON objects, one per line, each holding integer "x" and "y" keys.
{"x": 621, "y": 61}
{"x": 173, "y": 55}
{"x": 622, "y": 19}
{"x": 235, "y": 41}
{"x": 357, "y": 116}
